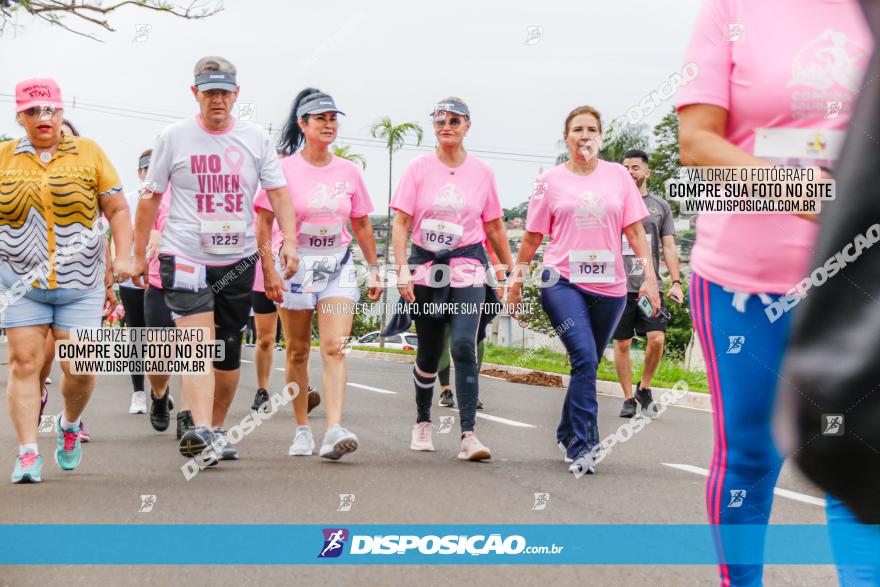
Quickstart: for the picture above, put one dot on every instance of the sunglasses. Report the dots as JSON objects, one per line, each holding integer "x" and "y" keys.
{"x": 41, "y": 112}
{"x": 440, "y": 121}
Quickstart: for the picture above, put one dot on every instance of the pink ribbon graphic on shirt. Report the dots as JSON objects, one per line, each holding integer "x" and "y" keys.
{"x": 235, "y": 165}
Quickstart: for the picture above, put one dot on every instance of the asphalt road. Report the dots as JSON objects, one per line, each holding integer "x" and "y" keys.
{"x": 391, "y": 484}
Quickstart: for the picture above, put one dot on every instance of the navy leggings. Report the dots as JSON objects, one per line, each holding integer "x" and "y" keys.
{"x": 584, "y": 323}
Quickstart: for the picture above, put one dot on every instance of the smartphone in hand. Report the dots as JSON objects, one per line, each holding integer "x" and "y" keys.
{"x": 648, "y": 310}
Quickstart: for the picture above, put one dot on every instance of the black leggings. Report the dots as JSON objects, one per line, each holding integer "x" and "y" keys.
{"x": 463, "y": 328}
{"x": 133, "y": 302}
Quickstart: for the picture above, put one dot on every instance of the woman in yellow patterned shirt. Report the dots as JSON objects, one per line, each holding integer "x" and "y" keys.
{"x": 57, "y": 195}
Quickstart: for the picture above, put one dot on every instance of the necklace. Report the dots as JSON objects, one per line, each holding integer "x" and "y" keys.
{"x": 45, "y": 156}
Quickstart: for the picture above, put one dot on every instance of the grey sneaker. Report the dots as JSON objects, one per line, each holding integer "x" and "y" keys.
{"x": 338, "y": 442}
{"x": 446, "y": 399}
{"x": 225, "y": 451}
{"x": 198, "y": 443}
{"x": 303, "y": 443}
{"x": 646, "y": 401}
{"x": 584, "y": 464}
{"x": 629, "y": 408}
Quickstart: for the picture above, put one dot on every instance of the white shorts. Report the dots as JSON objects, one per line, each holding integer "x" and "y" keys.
{"x": 307, "y": 287}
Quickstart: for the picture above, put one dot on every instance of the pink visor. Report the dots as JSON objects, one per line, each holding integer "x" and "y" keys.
{"x": 37, "y": 92}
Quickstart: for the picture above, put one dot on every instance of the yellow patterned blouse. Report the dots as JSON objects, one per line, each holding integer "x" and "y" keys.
{"x": 51, "y": 228}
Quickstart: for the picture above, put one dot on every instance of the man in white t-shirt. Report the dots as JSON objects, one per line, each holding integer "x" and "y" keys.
{"x": 214, "y": 165}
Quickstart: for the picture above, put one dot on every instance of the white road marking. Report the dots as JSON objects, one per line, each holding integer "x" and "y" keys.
{"x": 376, "y": 389}
{"x": 501, "y": 420}
{"x": 780, "y": 492}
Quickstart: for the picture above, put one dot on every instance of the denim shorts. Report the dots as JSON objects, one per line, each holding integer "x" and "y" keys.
{"x": 306, "y": 288}
{"x": 62, "y": 308}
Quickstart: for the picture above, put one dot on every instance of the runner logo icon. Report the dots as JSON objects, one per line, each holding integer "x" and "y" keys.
{"x": 832, "y": 424}
{"x": 737, "y": 496}
{"x": 334, "y": 541}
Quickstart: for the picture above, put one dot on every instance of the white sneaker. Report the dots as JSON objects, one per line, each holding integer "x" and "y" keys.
{"x": 303, "y": 443}
{"x": 138, "y": 403}
{"x": 338, "y": 442}
{"x": 421, "y": 437}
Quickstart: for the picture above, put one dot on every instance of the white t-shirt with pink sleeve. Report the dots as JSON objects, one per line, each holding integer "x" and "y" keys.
{"x": 449, "y": 207}
{"x": 324, "y": 198}
{"x": 159, "y": 224}
{"x": 584, "y": 216}
{"x": 214, "y": 176}
{"x": 788, "y": 73}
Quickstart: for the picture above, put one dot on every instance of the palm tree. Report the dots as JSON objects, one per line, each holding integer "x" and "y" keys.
{"x": 395, "y": 139}
{"x": 344, "y": 151}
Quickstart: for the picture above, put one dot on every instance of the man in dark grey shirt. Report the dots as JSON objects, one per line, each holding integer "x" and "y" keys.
{"x": 660, "y": 230}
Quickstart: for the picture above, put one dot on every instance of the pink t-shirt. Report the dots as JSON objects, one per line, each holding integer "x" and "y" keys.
{"x": 584, "y": 216}
{"x": 324, "y": 198}
{"x": 161, "y": 219}
{"x": 786, "y": 64}
{"x": 449, "y": 207}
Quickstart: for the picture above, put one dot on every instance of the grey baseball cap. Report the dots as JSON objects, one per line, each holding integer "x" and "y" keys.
{"x": 317, "y": 104}
{"x": 215, "y": 73}
{"x": 453, "y": 105}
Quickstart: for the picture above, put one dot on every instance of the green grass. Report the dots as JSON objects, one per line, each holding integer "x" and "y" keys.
{"x": 667, "y": 375}
{"x": 543, "y": 359}
{"x": 378, "y": 350}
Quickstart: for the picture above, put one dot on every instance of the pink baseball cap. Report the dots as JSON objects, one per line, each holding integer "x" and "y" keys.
{"x": 37, "y": 91}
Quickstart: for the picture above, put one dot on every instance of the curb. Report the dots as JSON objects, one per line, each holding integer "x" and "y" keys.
{"x": 693, "y": 400}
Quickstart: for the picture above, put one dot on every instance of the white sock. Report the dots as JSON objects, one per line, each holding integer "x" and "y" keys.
{"x": 65, "y": 425}
{"x": 28, "y": 447}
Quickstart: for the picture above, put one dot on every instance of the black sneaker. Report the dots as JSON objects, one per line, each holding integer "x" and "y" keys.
{"x": 479, "y": 405}
{"x": 446, "y": 399}
{"x": 184, "y": 422}
{"x": 261, "y": 401}
{"x": 629, "y": 408}
{"x": 226, "y": 451}
{"x": 643, "y": 396}
{"x": 160, "y": 415}
{"x": 314, "y": 399}
{"x": 197, "y": 443}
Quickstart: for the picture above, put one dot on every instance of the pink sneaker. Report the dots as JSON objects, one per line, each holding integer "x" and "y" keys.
{"x": 472, "y": 449}
{"x": 84, "y": 435}
{"x": 421, "y": 437}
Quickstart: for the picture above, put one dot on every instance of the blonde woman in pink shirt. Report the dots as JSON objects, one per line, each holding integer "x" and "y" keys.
{"x": 449, "y": 200}
{"x": 761, "y": 98}
{"x": 584, "y": 204}
{"x": 327, "y": 193}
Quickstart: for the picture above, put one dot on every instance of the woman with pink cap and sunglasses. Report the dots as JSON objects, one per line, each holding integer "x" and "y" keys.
{"x": 52, "y": 275}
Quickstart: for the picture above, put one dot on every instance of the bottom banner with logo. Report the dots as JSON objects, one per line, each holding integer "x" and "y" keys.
{"x": 434, "y": 544}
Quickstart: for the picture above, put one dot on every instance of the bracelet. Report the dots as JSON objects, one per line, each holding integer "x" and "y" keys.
{"x": 678, "y": 281}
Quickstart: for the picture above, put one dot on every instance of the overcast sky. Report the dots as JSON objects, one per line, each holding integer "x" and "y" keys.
{"x": 391, "y": 58}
